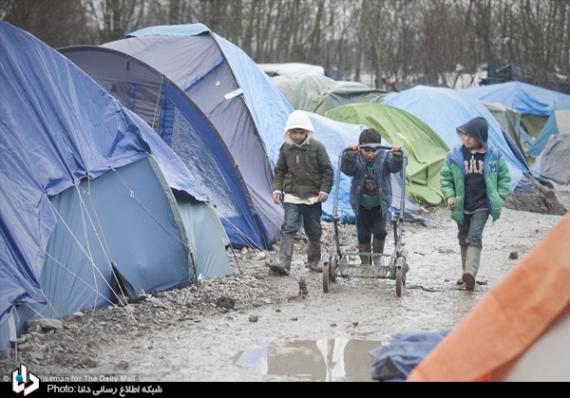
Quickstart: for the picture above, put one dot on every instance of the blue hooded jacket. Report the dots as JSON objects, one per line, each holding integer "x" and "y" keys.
{"x": 355, "y": 166}
{"x": 478, "y": 128}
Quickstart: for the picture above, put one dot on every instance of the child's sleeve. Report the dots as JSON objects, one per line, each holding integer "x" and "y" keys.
{"x": 326, "y": 170}
{"x": 348, "y": 163}
{"x": 394, "y": 162}
{"x": 446, "y": 180}
{"x": 280, "y": 170}
{"x": 503, "y": 179}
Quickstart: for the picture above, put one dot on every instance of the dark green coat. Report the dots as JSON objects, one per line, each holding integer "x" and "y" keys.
{"x": 303, "y": 170}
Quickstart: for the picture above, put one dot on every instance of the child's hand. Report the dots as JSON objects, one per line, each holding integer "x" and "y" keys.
{"x": 352, "y": 150}
{"x": 277, "y": 198}
{"x": 322, "y": 197}
{"x": 396, "y": 149}
{"x": 451, "y": 203}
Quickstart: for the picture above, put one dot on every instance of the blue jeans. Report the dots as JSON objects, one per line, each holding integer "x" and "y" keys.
{"x": 309, "y": 215}
{"x": 368, "y": 223}
{"x": 471, "y": 231}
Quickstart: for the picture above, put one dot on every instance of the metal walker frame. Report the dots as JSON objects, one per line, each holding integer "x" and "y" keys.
{"x": 384, "y": 266}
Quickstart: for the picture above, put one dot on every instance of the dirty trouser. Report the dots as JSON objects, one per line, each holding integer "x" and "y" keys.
{"x": 370, "y": 222}
{"x": 308, "y": 215}
{"x": 471, "y": 231}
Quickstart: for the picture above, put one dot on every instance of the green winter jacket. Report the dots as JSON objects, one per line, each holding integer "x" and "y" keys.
{"x": 303, "y": 170}
{"x": 497, "y": 181}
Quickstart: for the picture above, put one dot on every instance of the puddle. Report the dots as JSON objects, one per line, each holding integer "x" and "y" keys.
{"x": 337, "y": 359}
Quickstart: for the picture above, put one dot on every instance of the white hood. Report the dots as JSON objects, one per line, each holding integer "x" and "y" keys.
{"x": 298, "y": 120}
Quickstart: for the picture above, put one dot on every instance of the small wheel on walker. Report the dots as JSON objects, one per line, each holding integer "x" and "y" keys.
{"x": 326, "y": 277}
{"x": 333, "y": 268}
{"x": 399, "y": 281}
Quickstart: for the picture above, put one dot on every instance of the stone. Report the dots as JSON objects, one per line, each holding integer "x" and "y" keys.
{"x": 45, "y": 325}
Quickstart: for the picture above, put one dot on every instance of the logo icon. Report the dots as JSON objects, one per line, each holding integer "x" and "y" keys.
{"x": 25, "y": 381}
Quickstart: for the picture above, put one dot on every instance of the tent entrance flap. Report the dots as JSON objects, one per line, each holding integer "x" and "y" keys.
{"x": 122, "y": 290}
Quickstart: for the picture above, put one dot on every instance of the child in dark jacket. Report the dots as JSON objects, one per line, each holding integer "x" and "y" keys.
{"x": 371, "y": 190}
{"x": 304, "y": 175}
{"x": 475, "y": 181}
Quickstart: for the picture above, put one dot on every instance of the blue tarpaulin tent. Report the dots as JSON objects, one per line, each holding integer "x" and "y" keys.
{"x": 522, "y": 97}
{"x": 94, "y": 205}
{"x": 444, "y": 110}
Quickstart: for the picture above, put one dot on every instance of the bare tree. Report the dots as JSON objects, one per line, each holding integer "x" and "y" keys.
{"x": 425, "y": 41}
{"x": 38, "y": 16}
{"x": 115, "y": 18}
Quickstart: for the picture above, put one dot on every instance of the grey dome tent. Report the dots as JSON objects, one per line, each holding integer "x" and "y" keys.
{"x": 181, "y": 124}
{"x": 235, "y": 96}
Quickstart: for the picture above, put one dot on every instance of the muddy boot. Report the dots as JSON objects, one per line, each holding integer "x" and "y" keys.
{"x": 472, "y": 257}
{"x": 314, "y": 255}
{"x": 364, "y": 248}
{"x": 378, "y": 248}
{"x": 463, "y": 255}
{"x": 285, "y": 255}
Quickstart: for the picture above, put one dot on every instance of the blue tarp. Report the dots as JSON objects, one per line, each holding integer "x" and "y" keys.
{"x": 444, "y": 110}
{"x": 406, "y": 350}
{"x": 62, "y": 137}
{"x": 523, "y": 97}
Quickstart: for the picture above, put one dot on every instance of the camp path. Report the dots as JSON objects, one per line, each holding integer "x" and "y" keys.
{"x": 200, "y": 333}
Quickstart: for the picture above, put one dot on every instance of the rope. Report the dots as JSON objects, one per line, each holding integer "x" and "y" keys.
{"x": 78, "y": 278}
{"x": 86, "y": 239}
{"x": 157, "y": 102}
{"x": 242, "y": 235}
{"x": 41, "y": 316}
{"x": 187, "y": 245}
{"x": 81, "y": 246}
{"x": 236, "y": 260}
{"x": 106, "y": 251}
{"x": 157, "y": 221}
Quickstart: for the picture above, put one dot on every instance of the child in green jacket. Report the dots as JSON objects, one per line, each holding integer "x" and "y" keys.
{"x": 474, "y": 181}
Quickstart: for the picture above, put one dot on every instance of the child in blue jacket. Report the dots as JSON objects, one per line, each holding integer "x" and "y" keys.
{"x": 371, "y": 190}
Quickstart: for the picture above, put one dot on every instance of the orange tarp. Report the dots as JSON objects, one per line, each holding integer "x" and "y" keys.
{"x": 509, "y": 318}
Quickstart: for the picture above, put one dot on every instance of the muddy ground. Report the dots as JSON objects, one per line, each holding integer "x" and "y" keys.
{"x": 200, "y": 333}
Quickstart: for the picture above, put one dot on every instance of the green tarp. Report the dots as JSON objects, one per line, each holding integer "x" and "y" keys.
{"x": 320, "y": 94}
{"x": 426, "y": 151}
{"x": 534, "y": 124}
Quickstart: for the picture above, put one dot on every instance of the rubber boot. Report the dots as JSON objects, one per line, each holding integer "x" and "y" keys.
{"x": 378, "y": 248}
{"x": 463, "y": 255}
{"x": 285, "y": 254}
{"x": 314, "y": 255}
{"x": 364, "y": 248}
{"x": 472, "y": 259}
